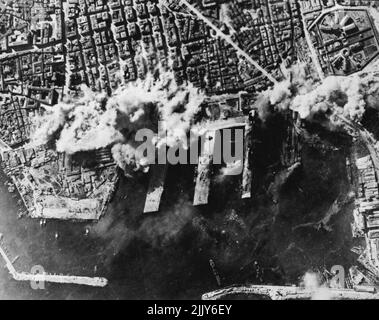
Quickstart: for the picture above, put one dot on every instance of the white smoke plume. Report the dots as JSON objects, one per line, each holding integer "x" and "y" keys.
{"x": 311, "y": 282}
{"x": 95, "y": 121}
{"x": 301, "y": 92}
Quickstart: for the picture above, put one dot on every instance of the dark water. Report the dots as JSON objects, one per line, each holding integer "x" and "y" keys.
{"x": 166, "y": 255}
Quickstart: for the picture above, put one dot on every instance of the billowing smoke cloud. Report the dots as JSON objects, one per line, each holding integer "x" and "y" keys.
{"x": 346, "y": 96}
{"x": 297, "y": 81}
{"x": 311, "y": 282}
{"x": 126, "y": 155}
{"x": 95, "y": 121}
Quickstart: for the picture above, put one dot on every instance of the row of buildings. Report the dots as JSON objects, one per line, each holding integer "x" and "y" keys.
{"x": 366, "y": 216}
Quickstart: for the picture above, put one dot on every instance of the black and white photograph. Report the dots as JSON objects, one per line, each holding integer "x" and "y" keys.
{"x": 203, "y": 150}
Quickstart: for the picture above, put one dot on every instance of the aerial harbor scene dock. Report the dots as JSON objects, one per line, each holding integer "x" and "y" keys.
{"x": 189, "y": 149}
